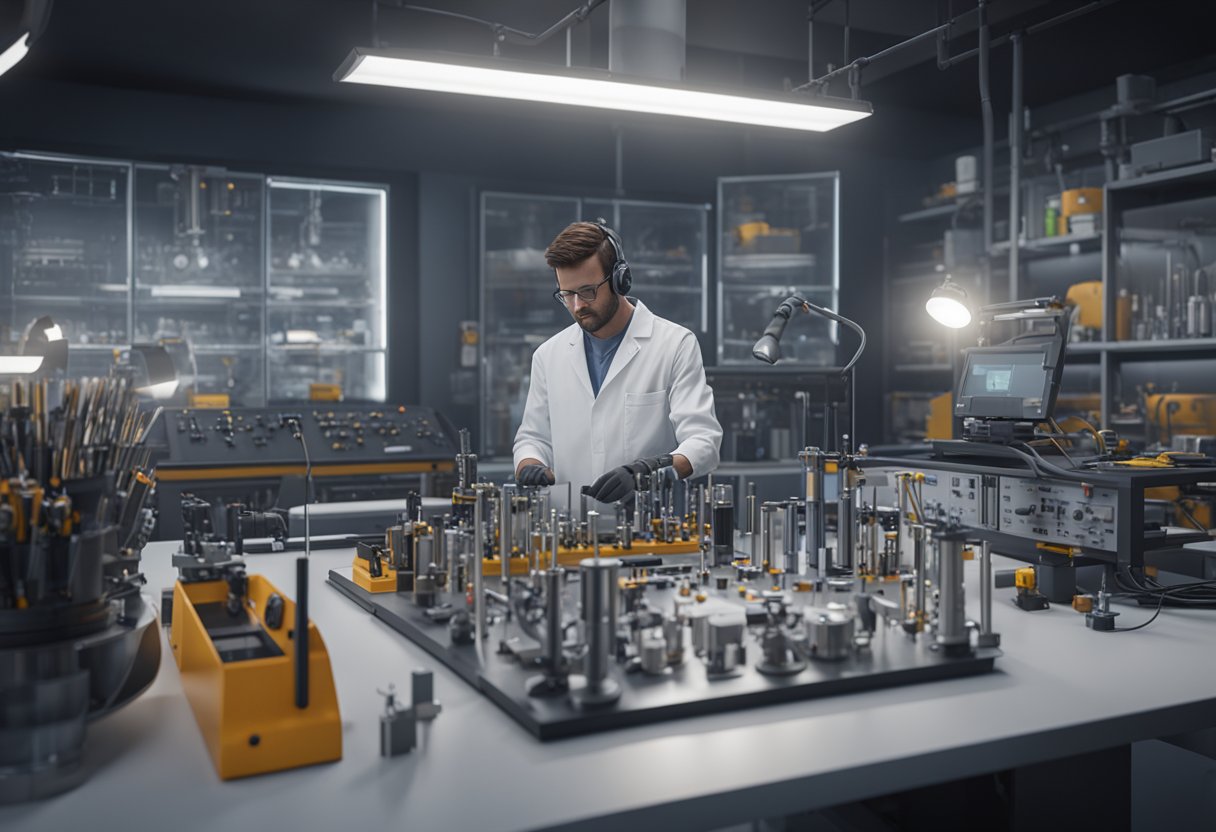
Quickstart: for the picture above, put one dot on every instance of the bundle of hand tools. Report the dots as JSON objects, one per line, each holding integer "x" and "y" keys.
{"x": 74, "y": 482}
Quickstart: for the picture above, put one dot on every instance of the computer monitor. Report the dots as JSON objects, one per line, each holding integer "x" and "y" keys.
{"x": 1010, "y": 382}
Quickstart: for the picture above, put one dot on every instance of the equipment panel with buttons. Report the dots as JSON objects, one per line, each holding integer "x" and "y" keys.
{"x": 1069, "y": 514}
{"x": 334, "y": 434}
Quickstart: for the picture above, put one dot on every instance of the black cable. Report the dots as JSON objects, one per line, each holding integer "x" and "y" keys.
{"x": 1162, "y": 595}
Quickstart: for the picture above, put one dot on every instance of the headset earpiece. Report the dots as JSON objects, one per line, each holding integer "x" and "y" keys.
{"x": 622, "y": 278}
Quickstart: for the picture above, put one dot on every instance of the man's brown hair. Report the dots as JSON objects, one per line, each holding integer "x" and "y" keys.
{"x": 577, "y": 242}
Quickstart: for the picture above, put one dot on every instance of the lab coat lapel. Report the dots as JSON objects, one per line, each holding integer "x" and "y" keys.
{"x": 640, "y": 327}
{"x": 577, "y": 356}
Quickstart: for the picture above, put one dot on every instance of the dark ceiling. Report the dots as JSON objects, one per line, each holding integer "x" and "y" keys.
{"x": 261, "y": 50}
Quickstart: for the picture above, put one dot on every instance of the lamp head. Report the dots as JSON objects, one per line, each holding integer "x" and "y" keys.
{"x": 948, "y": 305}
{"x": 767, "y": 349}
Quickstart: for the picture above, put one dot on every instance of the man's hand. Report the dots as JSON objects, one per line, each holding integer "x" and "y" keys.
{"x": 534, "y": 474}
{"x": 620, "y": 482}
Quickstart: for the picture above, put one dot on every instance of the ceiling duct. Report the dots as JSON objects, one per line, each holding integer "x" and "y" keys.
{"x": 646, "y": 38}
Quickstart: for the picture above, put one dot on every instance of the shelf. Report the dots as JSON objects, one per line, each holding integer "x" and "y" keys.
{"x": 70, "y": 300}
{"x": 929, "y": 213}
{"x": 208, "y": 349}
{"x": 290, "y": 303}
{"x": 1193, "y": 347}
{"x": 326, "y": 273}
{"x": 923, "y": 368}
{"x": 1061, "y": 246}
{"x": 776, "y": 288}
{"x": 327, "y": 348}
{"x": 670, "y": 290}
{"x": 1201, "y": 176}
{"x": 746, "y": 262}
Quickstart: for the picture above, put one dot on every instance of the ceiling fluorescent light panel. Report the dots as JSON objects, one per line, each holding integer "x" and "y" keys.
{"x": 410, "y": 70}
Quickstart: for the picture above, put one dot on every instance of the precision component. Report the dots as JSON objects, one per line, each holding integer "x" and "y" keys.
{"x": 952, "y": 635}
{"x": 1028, "y": 597}
{"x": 398, "y": 726}
{"x": 725, "y": 652}
{"x": 782, "y": 648}
{"x": 789, "y": 537}
{"x": 986, "y": 637}
{"x": 723, "y": 524}
{"x": 422, "y": 695}
{"x": 813, "y": 462}
{"x": 1101, "y": 619}
{"x": 598, "y": 579}
{"x": 698, "y": 623}
{"x": 555, "y": 678}
{"x": 653, "y": 652}
{"x": 830, "y": 633}
{"x": 770, "y": 533}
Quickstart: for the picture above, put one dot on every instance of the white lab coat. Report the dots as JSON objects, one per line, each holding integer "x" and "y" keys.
{"x": 653, "y": 401}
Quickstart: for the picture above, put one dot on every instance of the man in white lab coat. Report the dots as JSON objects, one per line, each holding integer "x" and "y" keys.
{"x": 619, "y": 392}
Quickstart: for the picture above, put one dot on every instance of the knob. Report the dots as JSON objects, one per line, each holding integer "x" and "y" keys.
{"x": 1078, "y": 515}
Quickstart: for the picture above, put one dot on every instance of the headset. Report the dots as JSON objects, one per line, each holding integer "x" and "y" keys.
{"x": 622, "y": 278}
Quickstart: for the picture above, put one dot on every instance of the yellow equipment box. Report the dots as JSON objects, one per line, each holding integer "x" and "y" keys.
{"x": 238, "y": 673}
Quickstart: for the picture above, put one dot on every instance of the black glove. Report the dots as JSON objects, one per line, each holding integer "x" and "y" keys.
{"x": 534, "y": 475}
{"x": 620, "y": 483}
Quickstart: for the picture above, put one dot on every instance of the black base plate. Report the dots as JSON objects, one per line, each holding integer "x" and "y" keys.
{"x": 892, "y": 659}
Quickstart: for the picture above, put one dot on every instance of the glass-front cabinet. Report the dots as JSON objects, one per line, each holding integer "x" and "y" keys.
{"x": 665, "y": 244}
{"x": 199, "y": 242}
{"x": 326, "y": 308}
{"x": 64, "y": 252}
{"x": 778, "y": 236}
{"x": 257, "y": 286}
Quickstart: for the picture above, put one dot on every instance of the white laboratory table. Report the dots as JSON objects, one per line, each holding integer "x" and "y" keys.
{"x": 1059, "y": 690}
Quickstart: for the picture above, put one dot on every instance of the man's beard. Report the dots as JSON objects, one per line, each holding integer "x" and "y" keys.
{"x": 594, "y": 321}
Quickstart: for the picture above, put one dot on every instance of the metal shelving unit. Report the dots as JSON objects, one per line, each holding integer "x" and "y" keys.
{"x": 1146, "y": 221}
{"x": 65, "y": 247}
{"x": 120, "y": 252}
{"x": 777, "y": 236}
{"x": 326, "y": 306}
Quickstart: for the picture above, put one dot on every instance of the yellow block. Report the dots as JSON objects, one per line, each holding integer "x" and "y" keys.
{"x": 246, "y": 710}
{"x": 387, "y": 582}
{"x": 940, "y": 423}
{"x": 1024, "y": 578}
{"x": 1087, "y": 297}
{"x": 324, "y": 392}
{"x": 208, "y": 401}
{"x": 571, "y": 556}
{"x": 1077, "y": 201}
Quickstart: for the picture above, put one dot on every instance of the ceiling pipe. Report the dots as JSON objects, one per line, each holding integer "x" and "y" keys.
{"x": 647, "y": 38}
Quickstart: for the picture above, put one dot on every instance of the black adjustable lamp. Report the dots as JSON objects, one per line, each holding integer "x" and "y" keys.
{"x": 43, "y": 337}
{"x": 768, "y": 348}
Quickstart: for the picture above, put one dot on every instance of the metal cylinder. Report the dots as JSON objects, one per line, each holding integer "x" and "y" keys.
{"x": 653, "y": 653}
{"x": 816, "y": 528}
{"x": 830, "y": 634}
{"x": 554, "y": 579}
{"x": 723, "y": 521}
{"x": 598, "y": 579}
{"x": 724, "y": 650}
{"x": 918, "y": 567}
{"x": 768, "y": 540}
{"x": 985, "y": 588}
{"x": 846, "y": 525}
{"x": 698, "y": 623}
{"x": 951, "y": 614}
{"x": 506, "y": 532}
{"x": 479, "y": 550}
{"x": 673, "y": 635}
{"x": 789, "y": 536}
